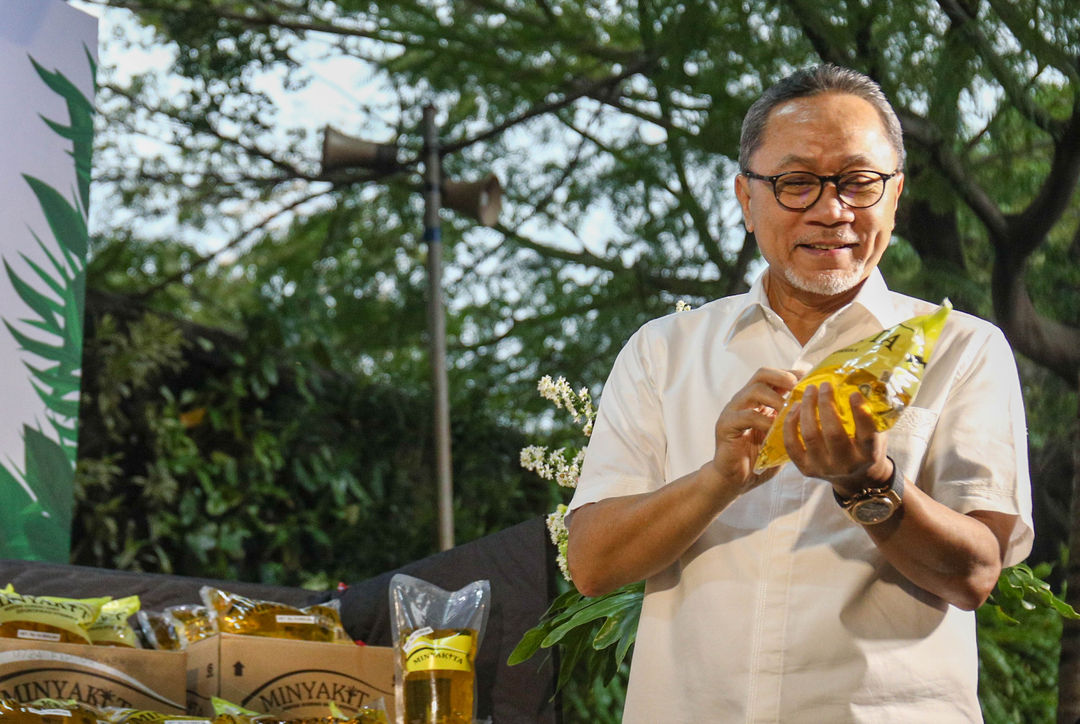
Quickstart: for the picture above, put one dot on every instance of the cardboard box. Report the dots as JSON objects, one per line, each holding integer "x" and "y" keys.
{"x": 96, "y": 675}
{"x": 283, "y": 676}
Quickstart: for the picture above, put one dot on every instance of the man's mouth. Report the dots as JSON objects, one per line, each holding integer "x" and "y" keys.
{"x": 828, "y": 247}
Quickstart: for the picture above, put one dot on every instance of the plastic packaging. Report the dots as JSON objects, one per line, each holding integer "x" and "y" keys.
{"x": 886, "y": 368}
{"x": 238, "y": 614}
{"x": 436, "y": 636}
{"x": 157, "y": 631}
{"x": 190, "y": 622}
{"x": 47, "y": 618}
{"x": 111, "y": 628}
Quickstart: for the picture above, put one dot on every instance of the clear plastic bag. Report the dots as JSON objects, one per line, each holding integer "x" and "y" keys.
{"x": 436, "y": 636}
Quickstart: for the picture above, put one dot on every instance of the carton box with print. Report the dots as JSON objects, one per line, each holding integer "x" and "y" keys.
{"x": 96, "y": 675}
{"x": 288, "y": 677}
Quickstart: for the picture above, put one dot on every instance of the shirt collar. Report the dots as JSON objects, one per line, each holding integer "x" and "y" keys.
{"x": 874, "y": 297}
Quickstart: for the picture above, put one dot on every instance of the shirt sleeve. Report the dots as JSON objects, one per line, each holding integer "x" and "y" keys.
{"x": 628, "y": 446}
{"x": 978, "y": 458}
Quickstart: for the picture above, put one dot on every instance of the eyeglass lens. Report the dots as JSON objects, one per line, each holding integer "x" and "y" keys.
{"x": 801, "y": 190}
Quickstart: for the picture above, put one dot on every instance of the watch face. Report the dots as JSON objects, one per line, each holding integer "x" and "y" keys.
{"x": 873, "y": 510}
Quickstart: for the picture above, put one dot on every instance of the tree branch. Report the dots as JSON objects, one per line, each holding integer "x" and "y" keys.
{"x": 1034, "y": 41}
{"x": 256, "y": 21}
{"x": 952, "y": 167}
{"x": 736, "y": 280}
{"x": 1027, "y": 229}
{"x": 211, "y": 130}
{"x": 584, "y": 89}
{"x": 207, "y": 258}
{"x": 661, "y": 281}
{"x": 1049, "y": 343}
{"x": 676, "y": 152}
{"x": 964, "y": 23}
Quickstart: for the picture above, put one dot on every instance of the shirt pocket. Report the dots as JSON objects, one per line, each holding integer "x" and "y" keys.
{"x": 909, "y": 438}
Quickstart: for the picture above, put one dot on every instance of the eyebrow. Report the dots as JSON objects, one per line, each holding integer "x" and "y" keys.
{"x": 793, "y": 158}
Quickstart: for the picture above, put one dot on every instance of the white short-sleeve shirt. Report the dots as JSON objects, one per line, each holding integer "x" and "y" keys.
{"x": 784, "y": 610}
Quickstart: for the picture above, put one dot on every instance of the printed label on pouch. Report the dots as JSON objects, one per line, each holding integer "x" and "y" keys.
{"x": 291, "y": 618}
{"x": 446, "y": 653}
{"x": 420, "y": 633}
{"x": 38, "y": 635}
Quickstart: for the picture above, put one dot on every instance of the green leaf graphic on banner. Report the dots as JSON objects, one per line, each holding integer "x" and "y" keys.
{"x": 67, "y": 224}
{"x": 81, "y": 129}
{"x": 36, "y": 503}
{"x": 47, "y": 464}
{"x": 16, "y": 508}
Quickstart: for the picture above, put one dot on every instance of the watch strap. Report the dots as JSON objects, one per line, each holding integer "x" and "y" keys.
{"x": 895, "y": 484}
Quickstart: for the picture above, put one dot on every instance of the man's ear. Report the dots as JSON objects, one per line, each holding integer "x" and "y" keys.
{"x": 742, "y": 193}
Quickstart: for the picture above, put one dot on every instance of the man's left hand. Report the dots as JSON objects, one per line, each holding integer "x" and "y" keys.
{"x": 820, "y": 447}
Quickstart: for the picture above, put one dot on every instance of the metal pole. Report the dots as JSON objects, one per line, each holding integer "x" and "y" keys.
{"x": 437, "y": 327}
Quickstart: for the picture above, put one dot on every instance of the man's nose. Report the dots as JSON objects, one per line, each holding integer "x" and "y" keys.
{"x": 830, "y": 208}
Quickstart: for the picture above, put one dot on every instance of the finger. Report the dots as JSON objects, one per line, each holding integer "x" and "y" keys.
{"x": 865, "y": 427}
{"x": 759, "y": 394}
{"x": 769, "y": 397}
{"x": 733, "y": 424}
{"x": 781, "y": 380}
{"x": 867, "y": 436}
{"x": 809, "y": 426}
{"x": 793, "y": 442}
{"x": 834, "y": 436}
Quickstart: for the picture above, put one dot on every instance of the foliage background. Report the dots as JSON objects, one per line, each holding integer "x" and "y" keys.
{"x": 256, "y": 373}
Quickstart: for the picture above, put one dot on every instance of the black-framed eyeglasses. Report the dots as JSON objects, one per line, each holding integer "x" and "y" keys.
{"x": 799, "y": 190}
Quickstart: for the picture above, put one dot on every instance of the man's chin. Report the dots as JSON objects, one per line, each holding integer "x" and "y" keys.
{"x": 826, "y": 283}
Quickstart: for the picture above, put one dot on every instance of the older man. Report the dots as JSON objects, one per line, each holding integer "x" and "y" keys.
{"x": 769, "y": 598}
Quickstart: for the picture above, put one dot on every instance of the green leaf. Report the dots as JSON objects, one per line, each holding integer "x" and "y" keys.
{"x": 49, "y": 474}
{"x": 592, "y": 610}
{"x": 56, "y": 353}
{"x": 46, "y": 308}
{"x": 67, "y": 224}
{"x": 63, "y": 87}
{"x": 529, "y": 645}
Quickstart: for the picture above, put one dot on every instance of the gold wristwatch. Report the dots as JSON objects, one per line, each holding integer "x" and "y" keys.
{"x": 875, "y": 505}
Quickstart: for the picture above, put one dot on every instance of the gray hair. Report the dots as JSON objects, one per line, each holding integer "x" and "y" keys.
{"x": 810, "y": 82}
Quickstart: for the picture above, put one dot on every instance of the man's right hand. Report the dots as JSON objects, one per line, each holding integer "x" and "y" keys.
{"x": 742, "y": 425}
{"x": 625, "y": 539}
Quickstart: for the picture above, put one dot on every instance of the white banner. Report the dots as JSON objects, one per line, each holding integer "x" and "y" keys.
{"x": 47, "y": 55}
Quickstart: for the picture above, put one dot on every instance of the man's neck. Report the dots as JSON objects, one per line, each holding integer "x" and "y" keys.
{"x": 803, "y": 312}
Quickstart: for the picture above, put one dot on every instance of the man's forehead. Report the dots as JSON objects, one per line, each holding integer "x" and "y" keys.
{"x": 850, "y": 115}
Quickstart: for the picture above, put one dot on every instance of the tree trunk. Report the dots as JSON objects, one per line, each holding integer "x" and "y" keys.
{"x": 1069, "y": 663}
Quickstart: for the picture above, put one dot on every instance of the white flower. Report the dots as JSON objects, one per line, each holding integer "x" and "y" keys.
{"x": 560, "y": 537}
{"x": 567, "y": 472}
{"x": 555, "y": 464}
{"x": 681, "y": 306}
{"x": 535, "y": 458}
